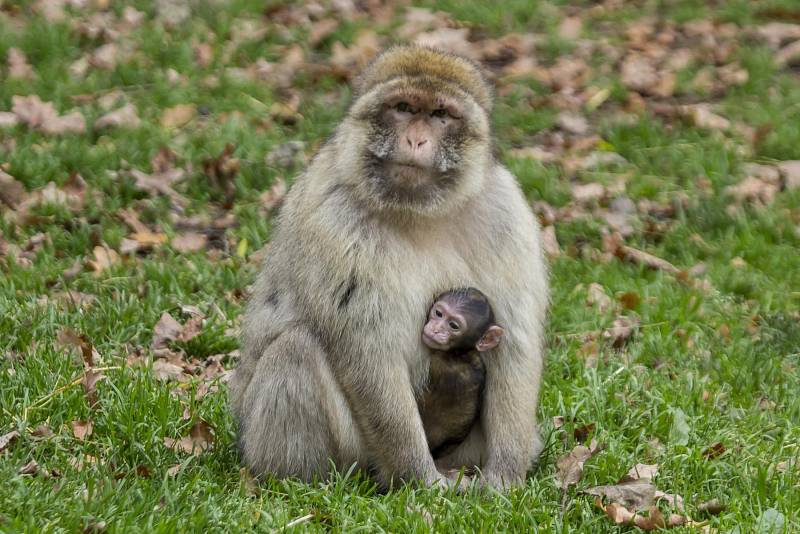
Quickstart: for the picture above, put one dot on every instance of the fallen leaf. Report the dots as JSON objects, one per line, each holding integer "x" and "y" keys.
{"x": 572, "y": 123}
{"x": 788, "y": 55}
{"x": 288, "y": 154}
{"x": 621, "y": 330}
{"x": 203, "y": 54}
{"x": 191, "y": 329}
{"x": 701, "y": 116}
{"x": 582, "y": 433}
{"x": 550, "y": 242}
{"x": 321, "y": 30}
{"x": 178, "y": 116}
{"x": 634, "y": 494}
{"x": 82, "y": 429}
{"x": 167, "y": 329}
{"x": 124, "y": 117}
{"x": 105, "y": 57}
{"x": 346, "y": 62}
{"x": 618, "y": 513}
{"x": 31, "y": 468}
{"x": 712, "y": 507}
{"x": 587, "y": 193}
{"x": 597, "y": 297}
{"x": 42, "y": 116}
{"x": 570, "y": 28}
{"x": 174, "y": 470}
{"x": 714, "y": 451}
{"x": 12, "y": 192}
{"x": 222, "y": 171}
{"x": 8, "y": 119}
{"x": 570, "y": 466}
{"x": 189, "y": 242}
{"x": 173, "y": 13}
{"x": 164, "y": 370}
{"x": 200, "y": 438}
{"x": 18, "y": 67}
{"x": 790, "y": 173}
{"x": 103, "y": 258}
{"x": 639, "y": 471}
{"x": 7, "y": 439}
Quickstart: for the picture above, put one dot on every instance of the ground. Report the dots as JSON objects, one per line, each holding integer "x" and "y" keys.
{"x": 127, "y": 244}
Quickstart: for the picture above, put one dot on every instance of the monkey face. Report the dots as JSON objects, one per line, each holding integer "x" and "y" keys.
{"x": 424, "y": 127}
{"x": 421, "y": 131}
{"x": 445, "y": 328}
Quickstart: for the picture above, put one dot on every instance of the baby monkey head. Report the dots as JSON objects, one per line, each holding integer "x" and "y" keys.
{"x": 424, "y": 120}
{"x": 462, "y": 320}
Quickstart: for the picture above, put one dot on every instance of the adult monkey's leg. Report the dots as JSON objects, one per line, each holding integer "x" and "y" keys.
{"x": 293, "y": 417}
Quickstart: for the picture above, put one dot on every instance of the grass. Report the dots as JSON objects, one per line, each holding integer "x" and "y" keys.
{"x": 725, "y": 360}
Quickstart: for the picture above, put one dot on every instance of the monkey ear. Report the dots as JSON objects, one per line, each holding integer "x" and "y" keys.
{"x": 490, "y": 339}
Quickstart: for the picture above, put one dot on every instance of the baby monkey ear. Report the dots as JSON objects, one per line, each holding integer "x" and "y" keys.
{"x": 490, "y": 339}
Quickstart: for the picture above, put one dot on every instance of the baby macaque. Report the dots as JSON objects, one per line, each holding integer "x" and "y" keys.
{"x": 460, "y": 326}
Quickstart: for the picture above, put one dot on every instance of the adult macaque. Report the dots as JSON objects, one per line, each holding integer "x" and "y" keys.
{"x": 404, "y": 201}
{"x": 460, "y": 325}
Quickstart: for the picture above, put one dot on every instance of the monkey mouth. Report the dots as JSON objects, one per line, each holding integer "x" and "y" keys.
{"x": 431, "y": 342}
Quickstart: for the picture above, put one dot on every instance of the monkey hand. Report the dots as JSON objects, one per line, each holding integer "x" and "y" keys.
{"x": 495, "y": 481}
{"x": 453, "y": 479}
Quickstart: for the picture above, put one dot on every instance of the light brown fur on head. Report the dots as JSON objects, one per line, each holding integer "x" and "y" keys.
{"x": 423, "y": 64}
{"x": 430, "y": 79}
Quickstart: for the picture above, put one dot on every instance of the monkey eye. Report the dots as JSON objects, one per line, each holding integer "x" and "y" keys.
{"x": 438, "y": 313}
{"x": 439, "y": 113}
{"x": 454, "y": 325}
{"x": 404, "y": 107}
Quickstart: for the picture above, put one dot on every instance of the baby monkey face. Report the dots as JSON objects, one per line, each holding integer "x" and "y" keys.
{"x": 446, "y": 327}
{"x": 461, "y": 320}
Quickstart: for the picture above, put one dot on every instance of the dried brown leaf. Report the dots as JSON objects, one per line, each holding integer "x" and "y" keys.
{"x": 167, "y": 329}
{"x": 621, "y": 331}
{"x": 346, "y": 62}
{"x": 18, "y": 66}
{"x": 103, "y": 258}
{"x": 597, "y": 297}
{"x": 634, "y": 494}
{"x": 200, "y": 439}
{"x": 124, "y": 117}
{"x": 189, "y": 242}
{"x": 273, "y": 197}
{"x": 639, "y": 471}
{"x": 712, "y": 507}
{"x": 790, "y": 173}
{"x": 12, "y": 192}
{"x": 164, "y": 370}
{"x": 7, "y": 439}
{"x": 570, "y": 466}
{"x": 178, "y": 116}
{"x": 788, "y": 55}
{"x": 31, "y": 468}
{"x": 39, "y": 115}
{"x": 82, "y": 429}
{"x": 714, "y": 451}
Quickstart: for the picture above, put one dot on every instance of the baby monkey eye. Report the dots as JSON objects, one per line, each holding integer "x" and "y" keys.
{"x": 404, "y": 107}
{"x": 453, "y": 325}
{"x": 439, "y": 113}
{"x": 438, "y": 313}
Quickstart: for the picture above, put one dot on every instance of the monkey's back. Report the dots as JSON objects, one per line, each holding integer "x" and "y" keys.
{"x": 451, "y": 404}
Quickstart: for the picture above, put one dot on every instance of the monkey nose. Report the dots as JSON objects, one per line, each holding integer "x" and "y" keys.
{"x": 415, "y": 143}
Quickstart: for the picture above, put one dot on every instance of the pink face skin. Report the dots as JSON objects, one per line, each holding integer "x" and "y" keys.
{"x": 446, "y": 326}
{"x": 420, "y": 122}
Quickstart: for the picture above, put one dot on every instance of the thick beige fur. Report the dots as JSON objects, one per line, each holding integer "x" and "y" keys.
{"x": 332, "y": 360}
